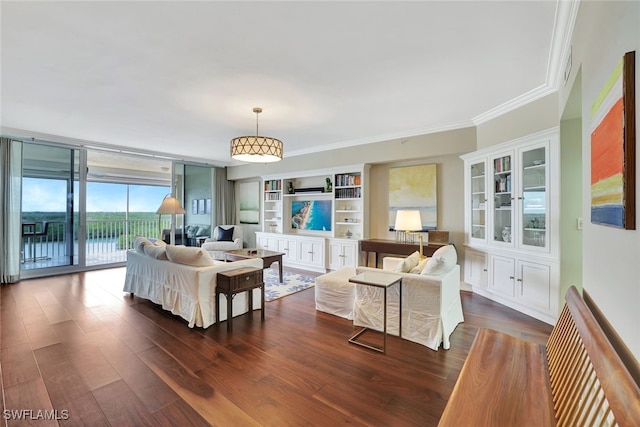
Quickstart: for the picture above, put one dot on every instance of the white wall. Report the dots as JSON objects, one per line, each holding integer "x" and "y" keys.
{"x": 604, "y": 31}
{"x": 531, "y": 118}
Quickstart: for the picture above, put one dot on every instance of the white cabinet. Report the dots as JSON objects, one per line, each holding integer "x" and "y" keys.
{"x": 476, "y": 176}
{"x": 305, "y": 252}
{"x": 512, "y": 217}
{"x": 287, "y": 246}
{"x": 311, "y": 252}
{"x": 342, "y": 253}
{"x": 502, "y": 278}
{"x": 528, "y": 284}
{"x": 267, "y": 241}
{"x": 534, "y": 284}
{"x": 475, "y": 268}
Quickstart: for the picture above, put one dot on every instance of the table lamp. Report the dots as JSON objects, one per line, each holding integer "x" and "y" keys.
{"x": 409, "y": 221}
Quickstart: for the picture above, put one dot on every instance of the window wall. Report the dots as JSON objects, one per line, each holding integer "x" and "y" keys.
{"x": 82, "y": 208}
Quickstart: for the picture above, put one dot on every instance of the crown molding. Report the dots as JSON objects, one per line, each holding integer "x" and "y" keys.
{"x": 565, "y": 19}
{"x": 383, "y": 138}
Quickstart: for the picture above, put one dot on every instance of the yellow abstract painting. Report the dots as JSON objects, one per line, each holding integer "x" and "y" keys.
{"x": 414, "y": 187}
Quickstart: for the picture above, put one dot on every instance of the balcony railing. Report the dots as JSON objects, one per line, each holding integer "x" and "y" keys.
{"x": 106, "y": 242}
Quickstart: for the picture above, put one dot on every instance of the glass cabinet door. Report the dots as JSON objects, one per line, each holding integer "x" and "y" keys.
{"x": 535, "y": 211}
{"x": 502, "y": 200}
{"x": 478, "y": 201}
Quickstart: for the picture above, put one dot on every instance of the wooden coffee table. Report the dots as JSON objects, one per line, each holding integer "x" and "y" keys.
{"x": 268, "y": 257}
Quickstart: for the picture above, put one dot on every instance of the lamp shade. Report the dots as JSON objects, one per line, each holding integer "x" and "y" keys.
{"x": 256, "y": 149}
{"x": 408, "y": 220}
{"x": 170, "y": 205}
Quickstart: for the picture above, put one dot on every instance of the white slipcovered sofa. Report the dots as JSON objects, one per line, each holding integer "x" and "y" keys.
{"x": 185, "y": 286}
{"x": 431, "y": 305}
{"x": 216, "y": 245}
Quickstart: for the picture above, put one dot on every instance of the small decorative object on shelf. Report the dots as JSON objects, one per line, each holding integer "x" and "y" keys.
{"x": 290, "y": 188}
{"x": 329, "y": 185}
{"x": 506, "y": 233}
{"x": 348, "y": 234}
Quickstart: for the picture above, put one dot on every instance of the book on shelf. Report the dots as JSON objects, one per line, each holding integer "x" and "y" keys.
{"x": 345, "y": 180}
{"x": 273, "y": 185}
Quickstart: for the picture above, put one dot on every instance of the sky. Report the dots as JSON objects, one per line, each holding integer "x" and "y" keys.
{"x": 49, "y": 195}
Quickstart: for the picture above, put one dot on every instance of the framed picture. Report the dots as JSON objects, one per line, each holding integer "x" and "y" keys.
{"x": 194, "y": 207}
{"x": 207, "y": 207}
{"x": 613, "y": 169}
{"x": 249, "y": 200}
{"x": 201, "y": 209}
{"x": 414, "y": 187}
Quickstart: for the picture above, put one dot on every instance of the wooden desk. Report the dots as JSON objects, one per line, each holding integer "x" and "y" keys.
{"x": 393, "y": 247}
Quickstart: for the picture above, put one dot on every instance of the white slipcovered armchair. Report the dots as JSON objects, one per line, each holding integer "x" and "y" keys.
{"x": 224, "y": 238}
{"x": 431, "y": 305}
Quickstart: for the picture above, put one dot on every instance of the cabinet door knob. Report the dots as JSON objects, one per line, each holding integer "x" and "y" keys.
{"x": 519, "y": 280}
{"x": 511, "y": 277}
{"x": 520, "y": 198}
{"x": 484, "y": 269}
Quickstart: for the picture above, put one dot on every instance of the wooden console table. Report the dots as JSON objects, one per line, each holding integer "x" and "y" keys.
{"x": 231, "y": 282}
{"x": 393, "y": 247}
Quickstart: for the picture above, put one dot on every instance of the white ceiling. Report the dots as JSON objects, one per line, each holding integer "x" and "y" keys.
{"x": 182, "y": 77}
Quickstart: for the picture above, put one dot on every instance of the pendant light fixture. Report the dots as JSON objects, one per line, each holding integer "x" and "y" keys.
{"x": 256, "y": 149}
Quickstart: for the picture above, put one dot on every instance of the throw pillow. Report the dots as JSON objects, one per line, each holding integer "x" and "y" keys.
{"x": 418, "y": 268}
{"x": 203, "y": 231}
{"x": 192, "y": 230}
{"x": 157, "y": 252}
{"x": 225, "y": 235}
{"x": 188, "y": 255}
{"x": 442, "y": 261}
{"x": 408, "y": 263}
{"x": 139, "y": 243}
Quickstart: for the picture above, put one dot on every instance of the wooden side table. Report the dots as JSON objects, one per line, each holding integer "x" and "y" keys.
{"x": 232, "y": 282}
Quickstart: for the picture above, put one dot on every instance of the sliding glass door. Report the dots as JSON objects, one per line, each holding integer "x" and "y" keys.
{"x": 81, "y": 209}
{"x": 50, "y": 202}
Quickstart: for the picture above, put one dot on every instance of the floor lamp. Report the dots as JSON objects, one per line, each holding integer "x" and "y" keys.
{"x": 170, "y": 205}
{"x": 409, "y": 221}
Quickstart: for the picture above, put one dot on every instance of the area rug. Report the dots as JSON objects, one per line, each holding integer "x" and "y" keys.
{"x": 293, "y": 283}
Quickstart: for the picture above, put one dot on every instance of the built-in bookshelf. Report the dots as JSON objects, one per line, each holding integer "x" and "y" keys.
{"x": 319, "y": 212}
{"x": 335, "y": 196}
{"x": 272, "y": 205}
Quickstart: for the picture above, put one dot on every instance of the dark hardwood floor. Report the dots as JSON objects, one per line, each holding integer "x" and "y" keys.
{"x": 78, "y": 344}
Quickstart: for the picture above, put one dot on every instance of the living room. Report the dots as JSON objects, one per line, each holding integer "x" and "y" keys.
{"x": 602, "y": 260}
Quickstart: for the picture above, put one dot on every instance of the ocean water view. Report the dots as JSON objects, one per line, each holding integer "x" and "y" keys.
{"x": 311, "y": 215}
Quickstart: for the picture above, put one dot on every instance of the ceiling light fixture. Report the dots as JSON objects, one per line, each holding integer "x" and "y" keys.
{"x": 256, "y": 149}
